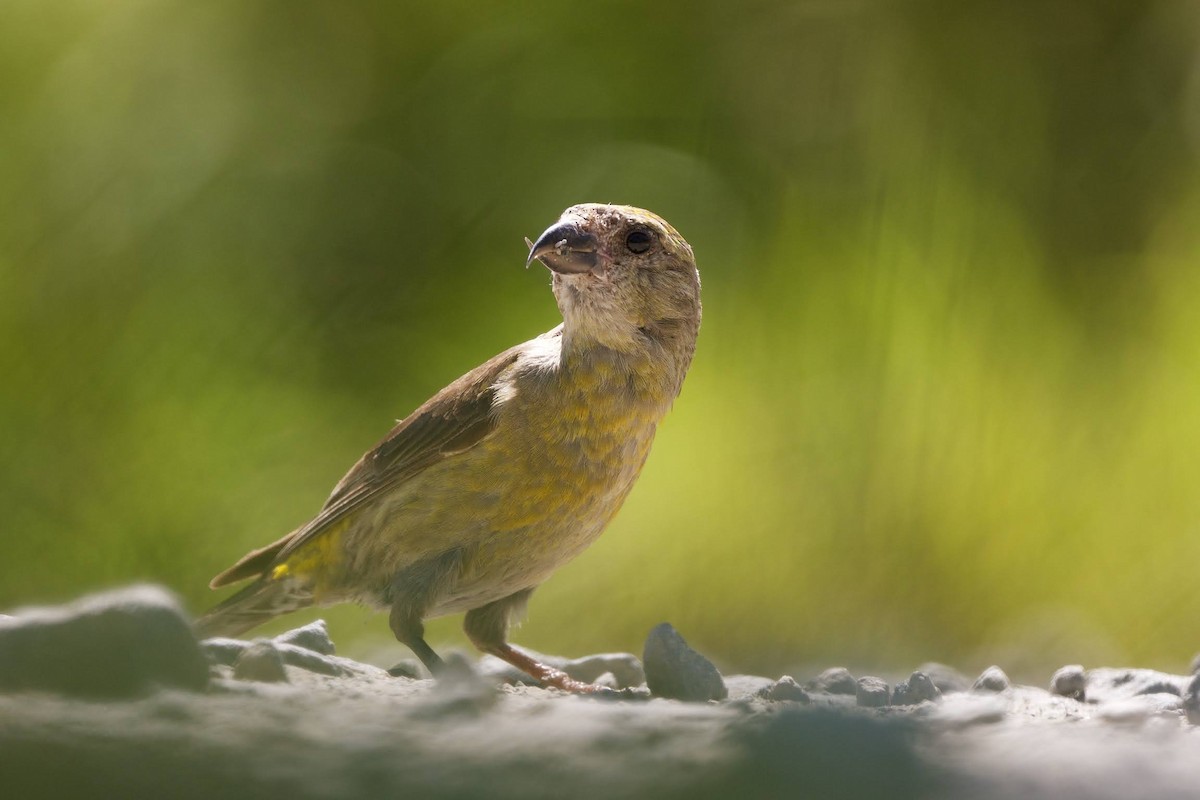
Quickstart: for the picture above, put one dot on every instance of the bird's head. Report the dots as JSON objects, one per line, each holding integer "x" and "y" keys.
{"x": 624, "y": 279}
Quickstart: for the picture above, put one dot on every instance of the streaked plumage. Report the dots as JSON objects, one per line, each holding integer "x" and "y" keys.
{"x": 512, "y": 470}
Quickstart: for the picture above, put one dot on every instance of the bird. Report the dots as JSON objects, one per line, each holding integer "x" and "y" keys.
{"x": 476, "y": 497}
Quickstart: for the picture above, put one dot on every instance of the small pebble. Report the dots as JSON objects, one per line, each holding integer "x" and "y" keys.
{"x": 835, "y": 680}
{"x": 261, "y": 662}
{"x": 993, "y": 679}
{"x": 304, "y": 658}
{"x": 223, "y": 651}
{"x": 607, "y": 681}
{"x": 1070, "y": 681}
{"x": 405, "y": 669}
{"x": 917, "y": 689}
{"x": 676, "y": 671}
{"x": 787, "y": 689}
{"x": 314, "y": 636}
{"x": 872, "y": 692}
{"x": 625, "y": 668}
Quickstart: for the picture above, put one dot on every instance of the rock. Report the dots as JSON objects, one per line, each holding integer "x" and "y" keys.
{"x": 408, "y": 668}
{"x": 676, "y": 671}
{"x": 310, "y": 660}
{"x": 917, "y": 689}
{"x": 1106, "y": 684}
{"x": 227, "y": 651}
{"x": 835, "y": 680}
{"x": 221, "y": 650}
{"x": 785, "y": 689}
{"x": 625, "y": 668}
{"x": 1069, "y": 681}
{"x": 314, "y": 636}
{"x": 993, "y": 679}
{"x": 607, "y": 681}
{"x": 261, "y": 661}
{"x": 114, "y": 644}
{"x": 946, "y": 679}
{"x": 872, "y": 692}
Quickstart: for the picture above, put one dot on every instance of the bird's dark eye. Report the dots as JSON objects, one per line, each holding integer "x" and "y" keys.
{"x": 639, "y": 240}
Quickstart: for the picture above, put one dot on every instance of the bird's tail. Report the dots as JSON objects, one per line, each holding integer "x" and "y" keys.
{"x": 259, "y": 602}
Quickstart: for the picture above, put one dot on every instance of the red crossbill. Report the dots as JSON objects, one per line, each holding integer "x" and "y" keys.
{"x": 509, "y": 472}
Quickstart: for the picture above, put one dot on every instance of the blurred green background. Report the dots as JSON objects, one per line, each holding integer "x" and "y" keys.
{"x": 946, "y": 403}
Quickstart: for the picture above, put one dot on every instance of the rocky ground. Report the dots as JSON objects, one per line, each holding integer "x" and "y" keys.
{"x": 113, "y": 697}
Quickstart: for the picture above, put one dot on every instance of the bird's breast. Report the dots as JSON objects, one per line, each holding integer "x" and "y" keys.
{"x": 564, "y": 457}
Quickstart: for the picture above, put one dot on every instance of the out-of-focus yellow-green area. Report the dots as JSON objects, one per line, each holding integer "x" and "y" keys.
{"x": 946, "y": 403}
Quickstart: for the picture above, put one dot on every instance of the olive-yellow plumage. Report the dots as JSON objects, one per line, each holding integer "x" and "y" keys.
{"x": 476, "y": 497}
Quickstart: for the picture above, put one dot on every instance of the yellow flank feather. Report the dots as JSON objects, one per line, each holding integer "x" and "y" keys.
{"x": 318, "y": 562}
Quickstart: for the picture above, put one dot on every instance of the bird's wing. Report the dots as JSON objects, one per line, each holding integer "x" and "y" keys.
{"x": 454, "y": 420}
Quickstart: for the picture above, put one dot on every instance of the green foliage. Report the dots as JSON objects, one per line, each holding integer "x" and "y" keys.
{"x": 945, "y": 401}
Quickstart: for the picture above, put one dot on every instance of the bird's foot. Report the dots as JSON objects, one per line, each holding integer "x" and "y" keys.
{"x": 553, "y": 677}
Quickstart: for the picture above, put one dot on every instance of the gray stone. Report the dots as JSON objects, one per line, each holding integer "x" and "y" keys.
{"x": 786, "y": 689}
{"x": 625, "y": 668}
{"x": 607, "y": 681}
{"x": 1107, "y": 684}
{"x": 946, "y": 679}
{"x": 408, "y": 668}
{"x": 872, "y": 692}
{"x": 993, "y": 679}
{"x": 261, "y": 661}
{"x": 314, "y": 636}
{"x": 917, "y": 689}
{"x": 227, "y": 651}
{"x": 114, "y": 644}
{"x": 310, "y": 660}
{"x": 221, "y": 650}
{"x": 835, "y": 680}
{"x": 1070, "y": 681}
{"x": 676, "y": 671}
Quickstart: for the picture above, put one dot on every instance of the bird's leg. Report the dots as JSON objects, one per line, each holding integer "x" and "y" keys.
{"x": 487, "y": 628}
{"x": 409, "y": 631}
{"x": 544, "y": 673}
{"x": 412, "y": 592}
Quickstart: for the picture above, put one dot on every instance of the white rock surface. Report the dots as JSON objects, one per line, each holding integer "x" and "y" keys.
{"x": 357, "y": 732}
